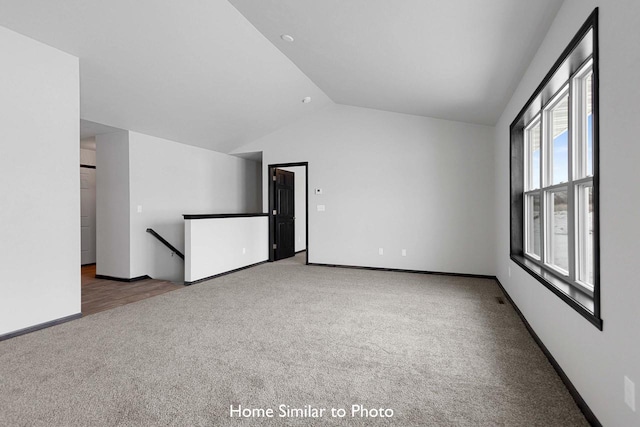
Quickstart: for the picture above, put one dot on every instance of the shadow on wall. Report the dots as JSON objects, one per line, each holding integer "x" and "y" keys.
{"x": 161, "y": 262}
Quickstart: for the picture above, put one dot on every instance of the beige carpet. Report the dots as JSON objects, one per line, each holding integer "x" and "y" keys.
{"x": 436, "y": 350}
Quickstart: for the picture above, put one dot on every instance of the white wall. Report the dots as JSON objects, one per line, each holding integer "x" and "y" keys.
{"x": 40, "y": 184}
{"x": 167, "y": 180}
{"x": 300, "y": 190}
{"x": 394, "y": 181}
{"x": 218, "y": 245}
{"x": 112, "y": 205}
{"x": 594, "y": 361}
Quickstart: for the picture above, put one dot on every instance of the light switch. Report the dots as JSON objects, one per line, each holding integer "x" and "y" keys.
{"x": 320, "y": 208}
{"x": 318, "y": 190}
{"x": 139, "y": 208}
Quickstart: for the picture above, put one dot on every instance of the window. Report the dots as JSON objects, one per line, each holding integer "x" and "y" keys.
{"x": 554, "y": 178}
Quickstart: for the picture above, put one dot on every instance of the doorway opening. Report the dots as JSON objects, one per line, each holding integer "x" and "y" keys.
{"x": 100, "y": 292}
{"x": 288, "y": 227}
{"x": 88, "y": 201}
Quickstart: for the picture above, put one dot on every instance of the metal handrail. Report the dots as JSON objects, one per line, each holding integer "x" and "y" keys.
{"x": 163, "y": 241}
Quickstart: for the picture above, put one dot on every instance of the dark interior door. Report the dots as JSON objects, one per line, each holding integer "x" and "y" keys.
{"x": 284, "y": 216}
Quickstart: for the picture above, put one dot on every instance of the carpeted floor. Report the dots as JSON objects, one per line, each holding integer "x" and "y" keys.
{"x": 436, "y": 350}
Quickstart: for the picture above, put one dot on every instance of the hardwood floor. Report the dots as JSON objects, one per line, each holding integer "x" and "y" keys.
{"x": 100, "y": 295}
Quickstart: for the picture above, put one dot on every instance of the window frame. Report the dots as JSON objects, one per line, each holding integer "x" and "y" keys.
{"x": 568, "y": 78}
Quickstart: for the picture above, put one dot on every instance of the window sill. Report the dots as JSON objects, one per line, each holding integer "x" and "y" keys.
{"x": 576, "y": 299}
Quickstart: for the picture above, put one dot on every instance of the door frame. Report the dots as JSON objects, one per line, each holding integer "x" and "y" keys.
{"x": 272, "y": 238}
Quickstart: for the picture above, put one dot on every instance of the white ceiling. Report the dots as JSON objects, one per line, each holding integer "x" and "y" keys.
{"x": 450, "y": 59}
{"x": 199, "y": 72}
{"x": 90, "y": 129}
{"x": 192, "y": 71}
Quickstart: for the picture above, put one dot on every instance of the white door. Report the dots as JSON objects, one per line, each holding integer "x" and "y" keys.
{"x": 88, "y": 215}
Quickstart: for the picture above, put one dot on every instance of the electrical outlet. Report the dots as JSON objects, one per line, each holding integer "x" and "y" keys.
{"x": 139, "y": 208}
{"x": 404, "y": 252}
{"x": 380, "y": 251}
{"x": 321, "y": 208}
{"x": 630, "y": 393}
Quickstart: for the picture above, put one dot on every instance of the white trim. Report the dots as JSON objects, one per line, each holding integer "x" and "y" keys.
{"x": 574, "y": 91}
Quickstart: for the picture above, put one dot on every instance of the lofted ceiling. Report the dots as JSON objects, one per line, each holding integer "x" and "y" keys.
{"x": 192, "y": 71}
{"x": 451, "y": 59}
{"x": 216, "y": 74}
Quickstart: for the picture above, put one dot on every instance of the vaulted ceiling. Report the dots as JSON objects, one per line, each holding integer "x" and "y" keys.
{"x": 217, "y": 74}
{"x": 455, "y": 59}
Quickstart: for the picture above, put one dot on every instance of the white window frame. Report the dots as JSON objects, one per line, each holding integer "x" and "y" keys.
{"x": 577, "y": 178}
{"x": 529, "y": 190}
{"x": 580, "y": 58}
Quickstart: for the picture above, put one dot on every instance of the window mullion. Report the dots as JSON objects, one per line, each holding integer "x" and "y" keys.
{"x": 571, "y": 210}
{"x": 543, "y": 182}
{"x": 581, "y": 229}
